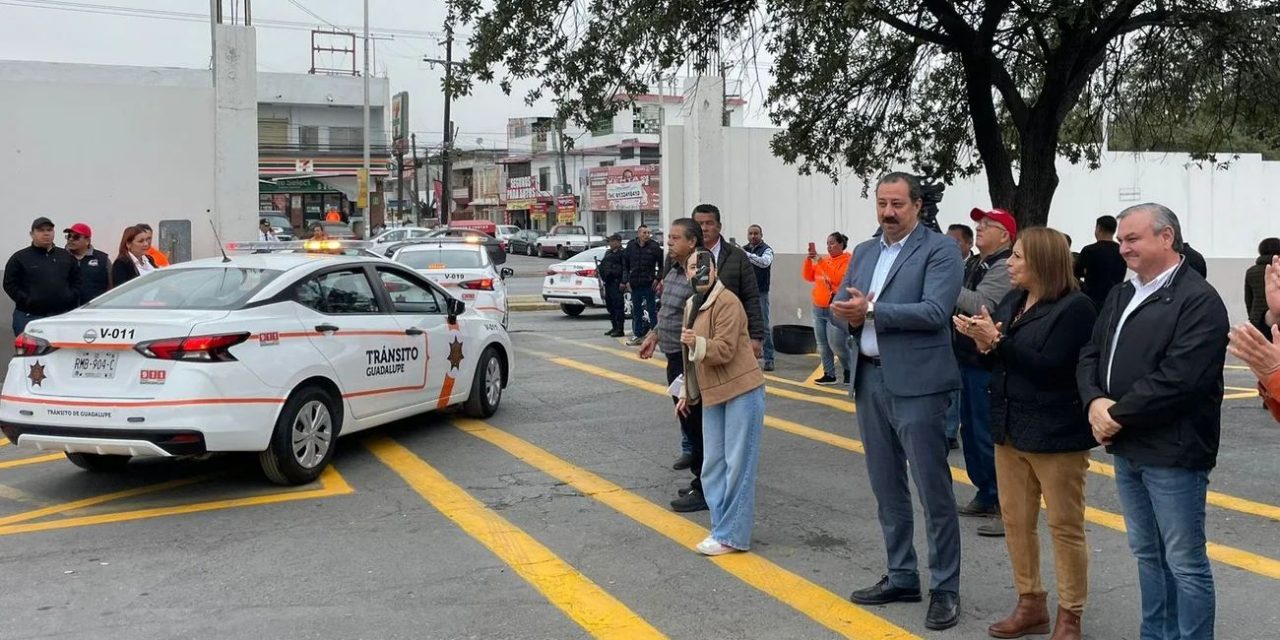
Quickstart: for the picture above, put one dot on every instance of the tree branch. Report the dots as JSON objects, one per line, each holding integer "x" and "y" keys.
{"x": 913, "y": 30}
{"x": 1163, "y": 17}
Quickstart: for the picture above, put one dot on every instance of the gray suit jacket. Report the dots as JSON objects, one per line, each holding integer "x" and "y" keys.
{"x": 912, "y": 312}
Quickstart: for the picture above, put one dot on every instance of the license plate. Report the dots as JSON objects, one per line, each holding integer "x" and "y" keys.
{"x": 95, "y": 364}
{"x": 564, "y": 278}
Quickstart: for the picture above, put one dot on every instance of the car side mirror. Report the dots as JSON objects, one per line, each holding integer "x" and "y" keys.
{"x": 507, "y": 272}
{"x": 456, "y": 307}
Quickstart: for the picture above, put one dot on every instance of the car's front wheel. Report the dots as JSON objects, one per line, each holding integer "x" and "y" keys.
{"x": 528, "y": 250}
{"x": 304, "y": 437}
{"x": 572, "y": 310}
{"x": 562, "y": 253}
{"x": 97, "y": 462}
{"x": 486, "y": 386}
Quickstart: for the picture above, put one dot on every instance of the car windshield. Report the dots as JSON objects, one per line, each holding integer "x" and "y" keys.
{"x": 201, "y": 288}
{"x": 278, "y": 221}
{"x": 590, "y": 256}
{"x": 441, "y": 258}
{"x": 570, "y": 231}
{"x": 336, "y": 227}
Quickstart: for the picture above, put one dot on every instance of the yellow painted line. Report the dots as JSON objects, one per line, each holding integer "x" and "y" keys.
{"x": 97, "y": 500}
{"x": 1253, "y": 389}
{"x": 331, "y": 484}
{"x": 1240, "y": 396}
{"x": 3, "y": 441}
{"x": 1235, "y": 366}
{"x": 1214, "y": 498}
{"x": 824, "y": 607}
{"x": 22, "y": 462}
{"x": 583, "y": 601}
{"x": 817, "y": 373}
{"x": 1238, "y": 558}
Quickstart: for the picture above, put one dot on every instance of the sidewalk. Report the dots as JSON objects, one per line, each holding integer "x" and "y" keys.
{"x": 529, "y": 303}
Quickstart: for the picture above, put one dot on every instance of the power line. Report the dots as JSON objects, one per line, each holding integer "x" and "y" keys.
{"x": 180, "y": 16}
{"x": 313, "y": 14}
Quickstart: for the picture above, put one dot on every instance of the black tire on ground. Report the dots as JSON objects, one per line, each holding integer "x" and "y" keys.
{"x": 97, "y": 462}
{"x": 304, "y": 438}
{"x": 573, "y": 310}
{"x": 562, "y": 253}
{"x": 486, "y": 386}
{"x": 528, "y": 249}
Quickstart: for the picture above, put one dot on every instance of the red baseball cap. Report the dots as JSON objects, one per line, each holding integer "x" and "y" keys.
{"x": 1000, "y": 217}
{"x": 80, "y": 228}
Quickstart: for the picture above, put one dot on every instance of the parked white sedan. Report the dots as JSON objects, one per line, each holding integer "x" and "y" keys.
{"x": 274, "y": 353}
{"x": 574, "y": 286}
{"x": 464, "y": 269}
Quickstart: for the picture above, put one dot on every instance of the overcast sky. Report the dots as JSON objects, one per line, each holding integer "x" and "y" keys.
{"x": 86, "y": 32}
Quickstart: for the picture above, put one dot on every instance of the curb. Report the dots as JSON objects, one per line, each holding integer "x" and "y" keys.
{"x": 533, "y": 306}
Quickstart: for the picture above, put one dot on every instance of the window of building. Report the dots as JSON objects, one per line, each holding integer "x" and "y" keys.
{"x": 606, "y": 163}
{"x": 309, "y": 138}
{"x": 521, "y": 170}
{"x": 345, "y": 139}
{"x": 544, "y": 179}
{"x": 602, "y": 126}
{"x": 646, "y": 118}
{"x": 627, "y": 153}
{"x": 650, "y": 160}
{"x": 273, "y": 132}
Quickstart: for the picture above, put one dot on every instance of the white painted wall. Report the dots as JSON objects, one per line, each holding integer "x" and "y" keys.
{"x": 1224, "y": 213}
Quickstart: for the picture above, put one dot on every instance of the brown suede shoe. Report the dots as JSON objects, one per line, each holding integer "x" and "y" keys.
{"x": 1067, "y": 627}
{"x": 1030, "y": 616}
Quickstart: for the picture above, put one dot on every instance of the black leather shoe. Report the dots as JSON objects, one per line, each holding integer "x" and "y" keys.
{"x": 884, "y": 593}
{"x": 689, "y": 502}
{"x": 976, "y": 509}
{"x": 683, "y": 462}
{"x": 944, "y": 610}
{"x": 684, "y": 491}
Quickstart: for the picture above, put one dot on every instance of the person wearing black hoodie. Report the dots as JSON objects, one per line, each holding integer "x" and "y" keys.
{"x": 1255, "y": 292}
{"x": 42, "y": 279}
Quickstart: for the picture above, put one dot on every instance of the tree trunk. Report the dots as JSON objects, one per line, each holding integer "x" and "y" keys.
{"x": 1037, "y": 172}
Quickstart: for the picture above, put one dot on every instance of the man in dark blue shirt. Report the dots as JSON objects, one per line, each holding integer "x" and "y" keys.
{"x": 95, "y": 265}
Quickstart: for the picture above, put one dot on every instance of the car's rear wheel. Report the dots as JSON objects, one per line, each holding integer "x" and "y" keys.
{"x": 573, "y": 310}
{"x": 528, "y": 250}
{"x": 97, "y": 462}
{"x": 304, "y": 437}
{"x": 562, "y": 253}
{"x": 486, "y": 386}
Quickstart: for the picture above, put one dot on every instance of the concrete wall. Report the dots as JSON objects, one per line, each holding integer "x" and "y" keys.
{"x": 1224, "y": 212}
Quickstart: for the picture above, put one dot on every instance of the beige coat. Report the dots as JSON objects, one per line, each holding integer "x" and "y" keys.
{"x": 724, "y": 360}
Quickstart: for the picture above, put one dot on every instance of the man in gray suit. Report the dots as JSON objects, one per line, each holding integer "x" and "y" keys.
{"x": 897, "y": 297}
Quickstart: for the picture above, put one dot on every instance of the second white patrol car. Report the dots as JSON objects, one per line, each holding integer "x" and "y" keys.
{"x": 463, "y": 268}
{"x": 276, "y": 353}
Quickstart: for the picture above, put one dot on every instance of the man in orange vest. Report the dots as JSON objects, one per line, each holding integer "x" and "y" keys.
{"x": 333, "y": 216}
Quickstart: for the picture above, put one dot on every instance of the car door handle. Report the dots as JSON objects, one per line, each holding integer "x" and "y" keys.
{"x": 325, "y": 328}
{"x": 413, "y": 331}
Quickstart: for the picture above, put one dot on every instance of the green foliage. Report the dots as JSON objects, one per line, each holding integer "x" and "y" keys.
{"x": 948, "y": 88}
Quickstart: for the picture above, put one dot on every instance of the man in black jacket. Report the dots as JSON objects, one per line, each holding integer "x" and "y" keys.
{"x": 642, "y": 260}
{"x": 1151, "y": 377}
{"x": 42, "y": 279}
{"x": 610, "y": 271}
{"x": 1100, "y": 266}
{"x": 733, "y": 270}
{"x": 95, "y": 265}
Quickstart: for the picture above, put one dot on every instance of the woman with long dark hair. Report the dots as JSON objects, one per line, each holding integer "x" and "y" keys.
{"x": 133, "y": 258}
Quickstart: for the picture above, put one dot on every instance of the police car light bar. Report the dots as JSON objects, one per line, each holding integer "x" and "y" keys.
{"x": 296, "y": 245}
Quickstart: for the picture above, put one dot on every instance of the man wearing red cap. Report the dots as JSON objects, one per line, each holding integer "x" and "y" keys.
{"x": 986, "y": 282}
{"x": 95, "y": 265}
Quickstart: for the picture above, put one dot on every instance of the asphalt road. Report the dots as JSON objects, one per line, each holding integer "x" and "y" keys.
{"x": 550, "y": 521}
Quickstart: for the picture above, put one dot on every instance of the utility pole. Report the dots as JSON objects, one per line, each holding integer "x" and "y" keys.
{"x": 364, "y": 188}
{"x": 446, "y": 149}
{"x": 413, "y": 148}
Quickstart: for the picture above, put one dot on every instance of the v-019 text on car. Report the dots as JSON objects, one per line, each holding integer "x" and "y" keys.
{"x": 465, "y": 270}
{"x": 272, "y": 353}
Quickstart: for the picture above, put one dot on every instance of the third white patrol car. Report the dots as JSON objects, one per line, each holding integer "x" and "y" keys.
{"x": 275, "y": 353}
{"x": 463, "y": 268}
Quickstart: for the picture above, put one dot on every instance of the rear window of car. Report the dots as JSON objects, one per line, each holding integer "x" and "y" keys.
{"x": 223, "y": 288}
{"x": 590, "y": 256}
{"x": 450, "y": 258}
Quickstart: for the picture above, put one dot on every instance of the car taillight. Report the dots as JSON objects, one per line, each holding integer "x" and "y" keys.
{"x": 485, "y": 284}
{"x": 214, "y": 348}
{"x": 503, "y": 245}
{"x": 26, "y": 346}
{"x": 551, "y": 272}
{"x": 585, "y": 273}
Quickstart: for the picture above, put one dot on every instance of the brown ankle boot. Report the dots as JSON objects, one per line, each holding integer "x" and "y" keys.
{"x": 1030, "y": 616}
{"x": 1067, "y": 627}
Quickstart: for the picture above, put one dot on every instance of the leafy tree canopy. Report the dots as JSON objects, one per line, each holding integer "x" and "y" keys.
{"x": 948, "y": 88}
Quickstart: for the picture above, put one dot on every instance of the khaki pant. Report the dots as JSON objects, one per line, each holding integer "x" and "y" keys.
{"x": 1022, "y": 478}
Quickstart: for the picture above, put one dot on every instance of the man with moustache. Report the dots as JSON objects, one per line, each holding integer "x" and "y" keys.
{"x": 734, "y": 271}
{"x": 897, "y": 297}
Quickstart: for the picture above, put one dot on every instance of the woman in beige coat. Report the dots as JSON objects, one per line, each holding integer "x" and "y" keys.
{"x": 721, "y": 373}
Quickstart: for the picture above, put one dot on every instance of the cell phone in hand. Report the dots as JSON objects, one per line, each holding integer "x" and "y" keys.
{"x": 702, "y": 273}
{"x": 813, "y": 248}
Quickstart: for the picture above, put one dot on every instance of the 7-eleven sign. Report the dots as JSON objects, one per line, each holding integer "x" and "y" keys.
{"x": 303, "y": 166}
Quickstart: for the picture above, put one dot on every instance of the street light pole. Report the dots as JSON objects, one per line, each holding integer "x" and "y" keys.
{"x": 368, "y": 221}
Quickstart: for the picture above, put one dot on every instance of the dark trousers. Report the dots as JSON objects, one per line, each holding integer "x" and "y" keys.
{"x": 690, "y": 425}
{"x": 613, "y": 302}
{"x": 644, "y": 311}
{"x": 20, "y": 320}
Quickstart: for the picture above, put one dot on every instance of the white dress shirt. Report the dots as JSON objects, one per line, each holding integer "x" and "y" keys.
{"x": 715, "y": 250}
{"x": 1140, "y": 293}
{"x": 869, "y": 342}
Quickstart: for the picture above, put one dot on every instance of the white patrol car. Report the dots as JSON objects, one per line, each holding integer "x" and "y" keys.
{"x": 574, "y": 286}
{"x": 276, "y": 353}
{"x": 465, "y": 269}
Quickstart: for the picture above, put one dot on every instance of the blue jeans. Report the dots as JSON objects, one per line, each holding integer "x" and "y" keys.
{"x": 730, "y": 450}
{"x": 975, "y": 434}
{"x": 768, "y": 331}
{"x": 1164, "y": 514}
{"x": 832, "y": 336}
{"x": 642, "y": 299}
{"x": 953, "y": 415}
{"x": 20, "y": 320}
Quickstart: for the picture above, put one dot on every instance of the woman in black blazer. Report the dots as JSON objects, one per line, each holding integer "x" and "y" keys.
{"x": 132, "y": 259}
{"x": 1040, "y": 428}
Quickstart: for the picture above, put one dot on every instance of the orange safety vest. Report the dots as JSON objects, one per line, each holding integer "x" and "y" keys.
{"x": 158, "y": 256}
{"x": 333, "y": 216}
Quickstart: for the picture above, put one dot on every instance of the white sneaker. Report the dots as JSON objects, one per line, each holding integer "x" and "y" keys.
{"x": 711, "y": 547}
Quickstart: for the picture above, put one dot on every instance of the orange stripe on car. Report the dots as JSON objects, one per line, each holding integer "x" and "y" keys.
{"x": 92, "y": 346}
{"x": 128, "y": 404}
